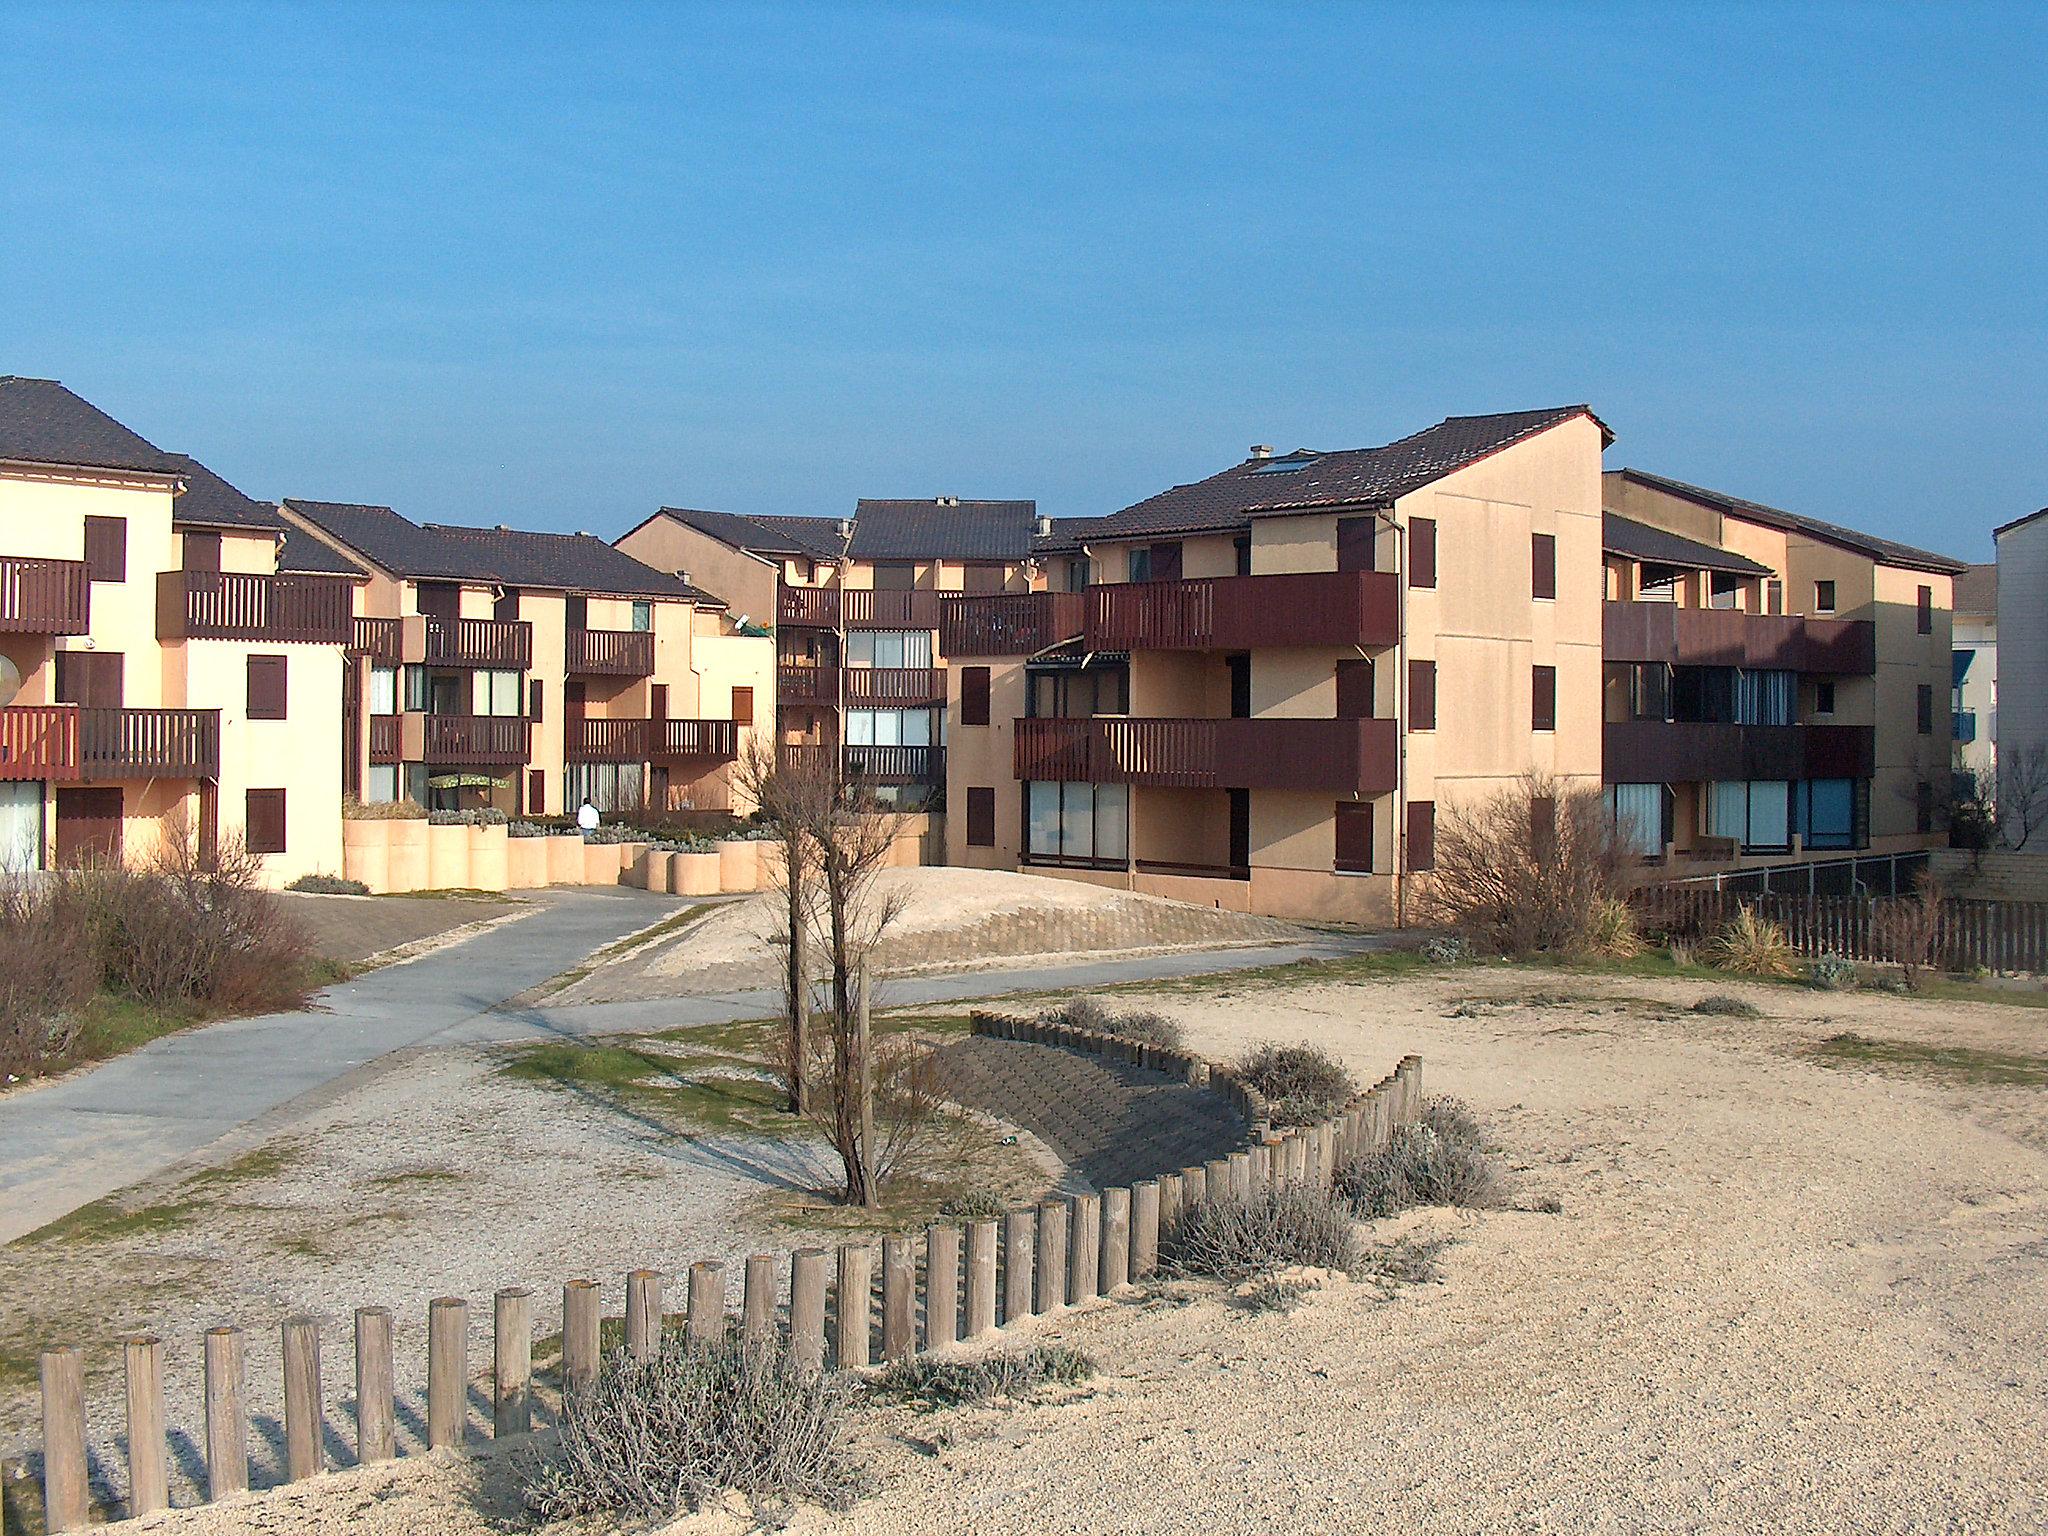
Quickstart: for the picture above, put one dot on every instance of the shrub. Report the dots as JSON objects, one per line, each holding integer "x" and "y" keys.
{"x": 353, "y": 809}
{"x": 49, "y": 970}
{"x": 932, "y": 1383}
{"x": 1300, "y": 1083}
{"x": 1751, "y": 946}
{"x": 1235, "y": 1240}
{"x": 1421, "y": 1166}
{"x": 1525, "y": 869}
{"x": 656, "y": 1438}
{"x": 614, "y": 832}
{"x": 482, "y": 816}
{"x": 328, "y": 885}
{"x": 975, "y": 1205}
{"x": 1140, "y": 1024}
{"x": 1907, "y": 929}
{"x": 1446, "y": 949}
{"x": 1404, "y": 1261}
{"x": 1452, "y": 1119}
{"x": 1832, "y": 973}
{"x": 1722, "y": 1004}
{"x": 1611, "y": 929}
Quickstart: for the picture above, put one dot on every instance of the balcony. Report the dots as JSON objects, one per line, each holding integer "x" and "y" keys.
{"x": 472, "y": 740}
{"x": 235, "y": 605}
{"x": 1965, "y": 725}
{"x": 1336, "y": 756}
{"x": 1008, "y": 623}
{"x": 149, "y": 743}
{"x": 38, "y": 741}
{"x": 1726, "y": 637}
{"x": 1678, "y": 752}
{"x": 798, "y": 683}
{"x": 44, "y": 597}
{"x": 871, "y": 765}
{"x": 610, "y": 653}
{"x": 856, "y": 608}
{"x": 695, "y": 738}
{"x": 1242, "y": 613}
{"x": 606, "y": 741}
{"x": 895, "y": 687}
{"x": 384, "y": 739}
{"x": 505, "y": 644}
{"x": 382, "y": 640}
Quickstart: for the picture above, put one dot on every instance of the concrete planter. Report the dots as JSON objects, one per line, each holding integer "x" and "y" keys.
{"x": 490, "y": 859}
{"x": 565, "y": 860}
{"x": 695, "y": 874}
{"x": 739, "y": 866}
{"x": 407, "y": 855}
{"x": 366, "y": 854}
{"x": 526, "y": 863}
{"x": 650, "y": 873}
{"x": 448, "y": 858}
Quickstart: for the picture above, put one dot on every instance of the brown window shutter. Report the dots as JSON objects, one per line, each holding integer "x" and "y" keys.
{"x": 536, "y": 788}
{"x": 658, "y": 701}
{"x": 1166, "y": 561}
{"x": 743, "y": 706}
{"x": 263, "y": 821}
{"x": 202, "y": 550}
{"x": 1422, "y": 552}
{"x": 1354, "y": 837}
{"x": 1923, "y": 704}
{"x": 106, "y": 548}
{"x": 1421, "y": 835}
{"x": 1421, "y": 695}
{"x": 89, "y": 679}
{"x": 1543, "y": 565}
{"x": 1354, "y": 689}
{"x": 1355, "y": 539}
{"x": 981, "y": 818}
{"x": 505, "y": 606}
{"x": 1543, "y": 699}
{"x": 974, "y": 695}
{"x": 267, "y": 683}
{"x": 533, "y": 699}
{"x": 981, "y": 576}
{"x": 1926, "y": 610}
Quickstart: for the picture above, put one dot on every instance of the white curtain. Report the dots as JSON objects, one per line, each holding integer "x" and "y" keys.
{"x": 383, "y": 690}
{"x": 21, "y": 827}
{"x": 1638, "y": 811}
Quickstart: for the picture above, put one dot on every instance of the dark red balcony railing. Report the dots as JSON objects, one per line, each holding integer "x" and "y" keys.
{"x": 237, "y": 605}
{"x": 873, "y": 765}
{"x": 1348, "y": 756}
{"x": 1727, "y": 637}
{"x": 856, "y": 608}
{"x": 895, "y": 687}
{"x": 149, "y": 743}
{"x": 382, "y": 640}
{"x": 606, "y": 741}
{"x": 1241, "y": 613}
{"x": 1679, "y": 752}
{"x": 611, "y": 653}
{"x": 500, "y": 643}
{"x": 45, "y": 597}
{"x": 475, "y": 739}
{"x": 384, "y": 739}
{"x": 1008, "y": 623}
{"x": 38, "y": 741}
{"x": 696, "y": 738}
{"x": 796, "y": 683}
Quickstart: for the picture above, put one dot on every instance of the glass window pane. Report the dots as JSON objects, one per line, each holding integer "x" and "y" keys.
{"x": 1638, "y": 815}
{"x": 384, "y": 691}
{"x": 1770, "y": 811}
{"x": 860, "y": 727}
{"x": 860, "y": 648}
{"x": 382, "y": 784}
{"x": 1077, "y": 814}
{"x": 643, "y": 617}
{"x": 1043, "y": 823}
{"x": 1112, "y": 821}
{"x": 1728, "y": 810}
{"x": 917, "y": 649}
{"x": 888, "y": 649}
{"x": 917, "y": 727}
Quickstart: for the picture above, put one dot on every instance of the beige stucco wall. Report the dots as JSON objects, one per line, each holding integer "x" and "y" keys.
{"x": 983, "y": 757}
{"x": 746, "y": 583}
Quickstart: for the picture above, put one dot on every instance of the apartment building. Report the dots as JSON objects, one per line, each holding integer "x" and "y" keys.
{"x": 171, "y": 653}
{"x": 492, "y": 667}
{"x": 861, "y": 673}
{"x": 1775, "y": 686}
{"x": 2022, "y": 599}
{"x": 1974, "y": 706}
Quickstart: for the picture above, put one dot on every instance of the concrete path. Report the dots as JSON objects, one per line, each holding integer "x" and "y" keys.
{"x": 75, "y": 1140}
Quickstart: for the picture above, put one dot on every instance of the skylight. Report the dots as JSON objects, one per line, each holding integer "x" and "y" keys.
{"x": 1292, "y": 462}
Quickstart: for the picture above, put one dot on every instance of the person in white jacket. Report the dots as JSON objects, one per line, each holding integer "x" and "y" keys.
{"x": 586, "y": 816}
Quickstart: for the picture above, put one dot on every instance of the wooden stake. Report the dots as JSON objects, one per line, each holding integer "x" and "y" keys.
{"x": 704, "y": 1325}
{"x": 1052, "y": 1255}
{"x": 512, "y": 1363}
{"x": 855, "y": 1304}
{"x": 582, "y": 1334}
{"x": 941, "y": 1286}
{"x": 981, "y": 1277}
{"x": 149, "y": 1485}
{"x": 643, "y": 1314}
{"x": 899, "y": 1298}
{"x": 227, "y": 1425}
{"x": 67, "y": 1505}
{"x": 807, "y": 1309}
{"x": 447, "y": 1371}
{"x": 376, "y": 1436}
{"x": 302, "y": 1404}
{"x": 1018, "y": 1272}
{"x": 757, "y": 1306}
{"x": 1144, "y": 1228}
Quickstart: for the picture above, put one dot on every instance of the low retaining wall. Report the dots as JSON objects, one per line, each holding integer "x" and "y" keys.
{"x": 933, "y": 1290}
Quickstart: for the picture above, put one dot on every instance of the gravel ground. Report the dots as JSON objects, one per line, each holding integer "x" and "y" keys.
{"x": 1782, "y": 1295}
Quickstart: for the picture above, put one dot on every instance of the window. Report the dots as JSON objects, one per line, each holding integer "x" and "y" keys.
{"x": 1241, "y": 550}
{"x": 383, "y": 690}
{"x": 1823, "y": 597}
{"x": 494, "y": 692}
{"x": 381, "y": 786}
{"x": 1757, "y": 813}
{"x": 895, "y": 575}
{"x": 576, "y": 612}
{"x": 608, "y": 786}
{"x": 1354, "y": 837}
{"x": 90, "y": 679}
{"x": 643, "y": 618}
{"x": 980, "y": 576}
{"x": 1766, "y": 698}
{"x": 1080, "y": 570}
{"x": 533, "y": 699}
{"x": 1723, "y": 591}
{"x": 1924, "y": 610}
{"x": 1421, "y": 695}
{"x": 804, "y": 569}
{"x": 1156, "y": 562}
{"x": 263, "y": 821}
{"x": 505, "y": 606}
{"x": 106, "y": 548}
{"x": 1774, "y": 596}
{"x": 1823, "y": 698}
{"x": 1354, "y": 689}
{"x": 889, "y": 648}
{"x": 883, "y": 727}
{"x": 1077, "y": 693}
{"x": 974, "y": 696}
{"x": 981, "y": 818}
{"x": 1422, "y": 552}
{"x": 1077, "y": 823}
{"x": 1543, "y": 698}
{"x": 1923, "y": 710}
{"x": 1421, "y": 835}
{"x": 1639, "y": 812}
{"x": 1357, "y": 541}
{"x": 1543, "y": 565}
{"x": 536, "y": 789}
{"x": 1285, "y": 465}
{"x": 202, "y": 550}
{"x": 743, "y": 706}
{"x": 266, "y": 688}
{"x": 1923, "y": 807}
{"x": 1824, "y": 813}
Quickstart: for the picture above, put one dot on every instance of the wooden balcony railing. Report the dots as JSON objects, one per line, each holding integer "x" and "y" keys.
{"x": 38, "y": 741}
{"x": 606, "y": 741}
{"x": 1241, "y": 613}
{"x": 610, "y": 653}
{"x": 1008, "y": 623}
{"x": 45, "y": 597}
{"x": 796, "y": 683}
{"x": 237, "y": 605}
{"x": 1680, "y": 752}
{"x": 149, "y": 743}
{"x": 856, "y": 608}
{"x": 475, "y": 739}
{"x": 384, "y": 739}
{"x": 696, "y": 738}
{"x": 1726, "y": 637}
{"x": 382, "y": 640}
{"x": 499, "y": 643}
{"x": 895, "y": 687}
{"x": 873, "y": 765}
{"x": 1335, "y": 755}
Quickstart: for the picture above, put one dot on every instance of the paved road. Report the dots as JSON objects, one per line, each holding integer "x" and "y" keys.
{"x": 84, "y": 1137}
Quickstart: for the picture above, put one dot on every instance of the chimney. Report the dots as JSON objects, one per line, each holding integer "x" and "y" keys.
{"x": 1262, "y": 450}
{"x": 1042, "y": 526}
{"x": 948, "y": 501}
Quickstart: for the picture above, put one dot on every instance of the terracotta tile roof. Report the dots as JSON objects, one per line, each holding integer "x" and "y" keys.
{"x": 42, "y": 422}
{"x": 1640, "y": 541}
{"x": 1883, "y": 551}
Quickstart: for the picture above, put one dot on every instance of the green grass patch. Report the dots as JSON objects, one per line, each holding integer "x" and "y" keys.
{"x": 115, "y": 1025}
{"x": 1958, "y": 1063}
{"x": 415, "y": 1178}
{"x": 258, "y": 1163}
{"x": 687, "y": 1093}
{"x": 673, "y": 923}
{"x": 108, "y": 1219}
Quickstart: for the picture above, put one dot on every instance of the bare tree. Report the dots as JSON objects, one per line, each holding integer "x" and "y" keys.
{"x": 1529, "y": 868}
{"x": 794, "y": 800}
{"x": 1908, "y": 928}
{"x": 2022, "y": 791}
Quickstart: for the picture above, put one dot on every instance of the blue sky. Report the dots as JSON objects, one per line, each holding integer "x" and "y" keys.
{"x": 559, "y": 265}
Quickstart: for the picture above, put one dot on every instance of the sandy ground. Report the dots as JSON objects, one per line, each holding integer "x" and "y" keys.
{"x": 1781, "y": 1295}
{"x": 949, "y": 917}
